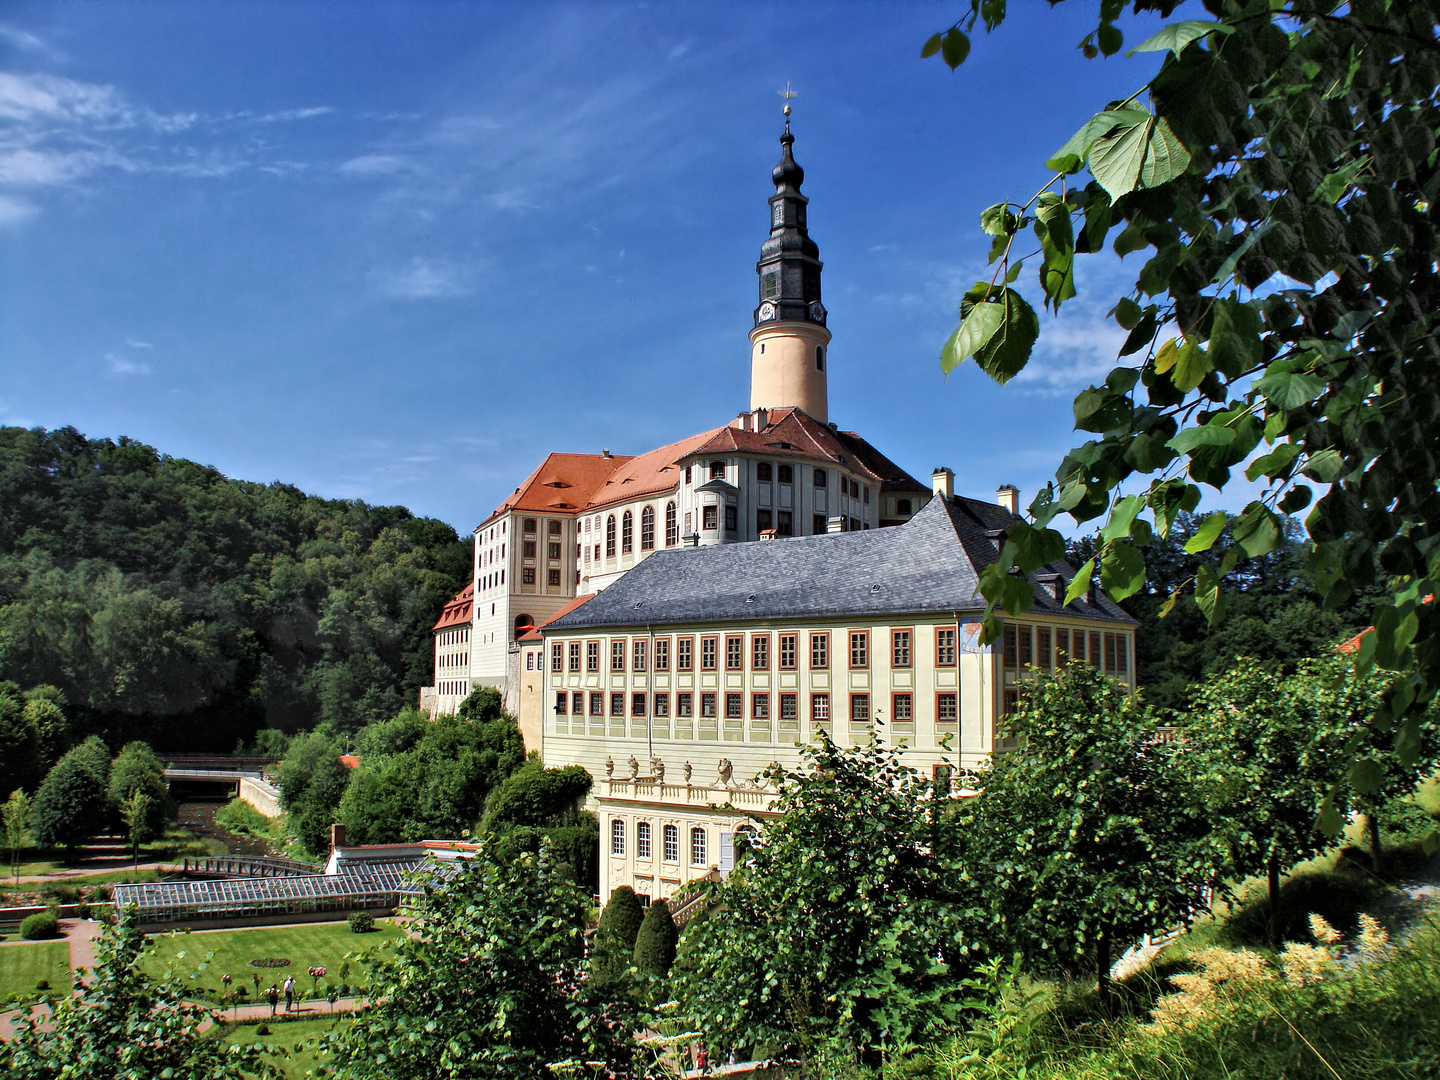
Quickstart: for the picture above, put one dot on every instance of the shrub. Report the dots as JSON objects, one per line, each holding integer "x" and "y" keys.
{"x": 43, "y": 984}
{"x": 361, "y": 922}
{"x": 263, "y": 1029}
{"x": 615, "y": 938}
{"x": 39, "y": 926}
{"x": 655, "y": 944}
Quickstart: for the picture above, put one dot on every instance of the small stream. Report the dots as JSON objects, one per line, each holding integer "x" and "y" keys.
{"x": 199, "y": 818}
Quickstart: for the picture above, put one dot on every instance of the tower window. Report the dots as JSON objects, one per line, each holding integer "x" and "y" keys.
{"x": 819, "y": 358}
{"x": 770, "y": 284}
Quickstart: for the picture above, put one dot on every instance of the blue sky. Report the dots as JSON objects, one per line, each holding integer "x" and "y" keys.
{"x": 398, "y": 252}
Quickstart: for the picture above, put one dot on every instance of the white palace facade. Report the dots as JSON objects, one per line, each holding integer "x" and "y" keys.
{"x": 681, "y": 620}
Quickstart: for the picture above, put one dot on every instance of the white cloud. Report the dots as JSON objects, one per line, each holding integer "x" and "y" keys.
{"x": 13, "y": 210}
{"x": 24, "y": 41}
{"x": 423, "y": 279}
{"x": 1072, "y": 353}
{"x": 121, "y": 365}
{"x": 134, "y": 344}
{"x": 376, "y": 165}
{"x": 48, "y": 97}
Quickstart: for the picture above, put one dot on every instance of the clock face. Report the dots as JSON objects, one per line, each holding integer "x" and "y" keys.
{"x": 817, "y": 312}
{"x": 767, "y": 311}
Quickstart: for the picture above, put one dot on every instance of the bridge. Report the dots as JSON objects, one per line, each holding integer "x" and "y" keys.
{"x": 242, "y": 776}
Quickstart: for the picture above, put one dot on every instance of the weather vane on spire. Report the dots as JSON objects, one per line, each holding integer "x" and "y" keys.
{"x": 787, "y": 94}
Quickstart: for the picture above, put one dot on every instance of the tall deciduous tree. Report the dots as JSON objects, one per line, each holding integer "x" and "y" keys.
{"x": 71, "y": 805}
{"x": 1279, "y": 175}
{"x": 1079, "y": 839}
{"x": 136, "y": 770}
{"x": 16, "y": 815}
{"x": 850, "y": 922}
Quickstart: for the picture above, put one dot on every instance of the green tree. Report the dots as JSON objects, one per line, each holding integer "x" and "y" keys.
{"x": 16, "y": 816}
{"x": 19, "y": 741}
{"x": 483, "y": 704}
{"x": 615, "y": 936}
{"x": 122, "y": 1025}
{"x": 508, "y": 934}
{"x": 656, "y": 941}
{"x": 850, "y": 922}
{"x": 1281, "y": 182}
{"x": 535, "y": 795}
{"x": 136, "y": 770}
{"x": 71, "y": 805}
{"x": 311, "y": 816}
{"x": 1080, "y": 840}
{"x": 135, "y": 815}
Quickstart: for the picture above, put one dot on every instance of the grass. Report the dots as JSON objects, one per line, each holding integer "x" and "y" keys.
{"x": 286, "y": 1043}
{"x": 177, "y": 843}
{"x": 200, "y": 958}
{"x": 23, "y": 964}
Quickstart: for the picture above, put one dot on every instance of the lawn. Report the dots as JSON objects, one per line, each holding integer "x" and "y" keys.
{"x": 201, "y": 957}
{"x": 23, "y": 964}
{"x": 291, "y": 1054}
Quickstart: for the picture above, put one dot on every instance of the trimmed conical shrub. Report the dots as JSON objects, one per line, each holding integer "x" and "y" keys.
{"x": 655, "y": 944}
{"x": 615, "y": 938}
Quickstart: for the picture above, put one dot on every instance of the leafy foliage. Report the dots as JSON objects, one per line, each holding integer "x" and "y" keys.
{"x": 16, "y": 816}
{"x": 33, "y": 734}
{"x": 72, "y": 805}
{"x": 136, "y": 770}
{"x": 656, "y": 941}
{"x": 122, "y": 1025}
{"x": 170, "y": 602}
{"x": 488, "y": 981}
{"x": 1283, "y": 181}
{"x": 614, "y": 947}
{"x": 40, "y": 926}
{"x": 850, "y": 922}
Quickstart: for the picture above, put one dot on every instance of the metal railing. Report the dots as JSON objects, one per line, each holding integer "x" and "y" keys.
{"x": 249, "y": 866}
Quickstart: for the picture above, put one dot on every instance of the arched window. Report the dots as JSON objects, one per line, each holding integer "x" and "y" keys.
{"x": 672, "y": 527}
{"x": 672, "y": 843}
{"x": 647, "y": 529}
{"x": 697, "y": 846}
{"x": 617, "y": 837}
{"x": 627, "y": 533}
{"x": 523, "y": 624}
{"x": 610, "y": 537}
{"x": 746, "y": 839}
{"x": 819, "y": 477}
{"x": 763, "y": 471}
{"x": 819, "y": 358}
{"x": 642, "y": 840}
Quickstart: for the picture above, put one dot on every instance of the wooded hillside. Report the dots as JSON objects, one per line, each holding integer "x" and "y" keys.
{"x": 171, "y": 603}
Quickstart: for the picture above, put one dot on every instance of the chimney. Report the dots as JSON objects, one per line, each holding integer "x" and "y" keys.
{"x": 762, "y": 419}
{"x": 835, "y": 524}
{"x": 337, "y": 837}
{"x": 605, "y": 452}
{"x": 942, "y": 482}
{"x": 1008, "y": 496}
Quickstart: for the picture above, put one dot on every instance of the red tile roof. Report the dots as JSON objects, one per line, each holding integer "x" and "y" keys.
{"x": 458, "y": 611}
{"x": 789, "y": 433}
{"x": 533, "y": 634}
{"x": 350, "y": 761}
{"x": 649, "y": 473}
{"x": 562, "y": 484}
{"x": 892, "y": 477}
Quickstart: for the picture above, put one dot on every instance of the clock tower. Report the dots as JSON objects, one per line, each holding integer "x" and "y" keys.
{"x": 789, "y": 347}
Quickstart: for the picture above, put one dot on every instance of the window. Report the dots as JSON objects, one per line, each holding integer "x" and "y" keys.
{"x": 672, "y": 530}
{"x": 1122, "y": 658}
{"x": 865, "y": 494}
{"x": 731, "y": 518}
{"x": 770, "y": 284}
{"x": 734, "y": 706}
{"x": 529, "y": 661}
{"x": 1027, "y": 646}
{"x": 902, "y": 506}
{"x": 818, "y": 525}
{"x": 763, "y": 519}
{"x": 787, "y": 651}
{"x": 717, "y": 470}
{"x": 552, "y": 577}
{"x": 1042, "y": 646}
{"x": 945, "y": 646}
{"x": 697, "y": 847}
{"x": 528, "y": 549}
{"x": 859, "y": 648}
{"x": 642, "y": 840}
{"x": 900, "y": 648}
{"x": 819, "y": 650}
{"x": 820, "y": 709}
{"x": 610, "y": 537}
{"x": 707, "y": 705}
{"x": 586, "y": 551}
{"x": 819, "y": 358}
{"x": 627, "y": 533}
{"x": 820, "y": 480}
{"x": 946, "y": 709}
{"x": 1062, "y": 645}
{"x": 787, "y": 474}
{"x": 577, "y": 703}
{"x": 784, "y": 523}
{"x": 574, "y": 656}
{"x": 662, "y": 706}
{"x": 1011, "y": 702}
{"x": 708, "y": 649}
{"x": 1095, "y": 648}
{"x": 671, "y": 836}
{"x": 637, "y": 704}
{"x": 760, "y": 706}
{"x": 860, "y": 708}
{"x": 760, "y": 652}
{"x": 855, "y": 525}
{"x": 617, "y": 704}
{"x": 1110, "y": 655}
{"x": 592, "y": 656}
{"x": 735, "y": 653}
{"x": 554, "y": 528}
{"x": 617, "y": 837}
{"x": 597, "y": 703}
{"x": 647, "y": 529}
{"x": 687, "y": 474}
{"x": 763, "y": 471}
{"x": 903, "y": 708}
{"x": 554, "y": 551}
{"x": 789, "y": 708}
{"x": 684, "y": 705}
{"x": 529, "y": 525}
{"x": 617, "y": 654}
{"x": 527, "y": 576}
{"x": 557, "y": 657}
{"x": 711, "y": 516}
{"x": 685, "y": 654}
{"x": 640, "y": 650}
{"x": 662, "y": 654}
{"x": 687, "y": 523}
{"x": 562, "y": 700}
{"x": 1011, "y": 647}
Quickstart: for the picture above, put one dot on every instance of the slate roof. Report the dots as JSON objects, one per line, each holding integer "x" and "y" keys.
{"x": 928, "y": 565}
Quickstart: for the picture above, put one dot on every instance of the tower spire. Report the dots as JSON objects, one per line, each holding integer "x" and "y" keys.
{"x": 788, "y": 358}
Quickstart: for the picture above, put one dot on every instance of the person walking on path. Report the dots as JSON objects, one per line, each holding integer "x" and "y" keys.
{"x": 272, "y": 995}
{"x": 289, "y": 991}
